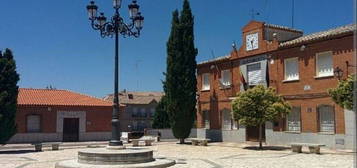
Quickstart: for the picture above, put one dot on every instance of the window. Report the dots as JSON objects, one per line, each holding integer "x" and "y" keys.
{"x": 134, "y": 112}
{"x": 205, "y": 81}
{"x": 143, "y": 112}
{"x": 255, "y": 75}
{"x": 324, "y": 65}
{"x": 226, "y": 78}
{"x": 206, "y": 119}
{"x": 326, "y": 118}
{"x": 226, "y": 120}
{"x": 293, "y": 120}
{"x": 33, "y": 123}
{"x": 291, "y": 67}
{"x": 228, "y": 123}
{"x": 152, "y": 112}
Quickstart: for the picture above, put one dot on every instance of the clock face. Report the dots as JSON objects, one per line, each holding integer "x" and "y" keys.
{"x": 251, "y": 41}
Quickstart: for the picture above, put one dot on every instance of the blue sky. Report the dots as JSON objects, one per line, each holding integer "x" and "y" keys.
{"x": 54, "y": 45}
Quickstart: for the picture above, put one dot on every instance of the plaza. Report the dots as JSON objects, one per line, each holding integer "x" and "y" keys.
{"x": 215, "y": 155}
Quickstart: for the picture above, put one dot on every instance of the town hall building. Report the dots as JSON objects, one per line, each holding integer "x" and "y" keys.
{"x": 300, "y": 67}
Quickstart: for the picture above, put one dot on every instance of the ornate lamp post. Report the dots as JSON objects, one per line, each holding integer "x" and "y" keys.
{"x": 114, "y": 27}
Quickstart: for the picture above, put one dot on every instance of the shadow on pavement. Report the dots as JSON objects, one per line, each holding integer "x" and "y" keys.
{"x": 274, "y": 148}
{"x": 16, "y": 151}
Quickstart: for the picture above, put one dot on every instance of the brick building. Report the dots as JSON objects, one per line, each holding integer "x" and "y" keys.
{"x": 61, "y": 115}
{"x": 300, "y": 68}
{"x": 139, "y": 109}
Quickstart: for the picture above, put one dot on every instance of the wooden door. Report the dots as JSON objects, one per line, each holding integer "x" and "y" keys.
{"x": 70, "y": 129}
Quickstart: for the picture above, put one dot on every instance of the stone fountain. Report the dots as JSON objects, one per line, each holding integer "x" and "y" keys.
{"x": 116, "y": 158}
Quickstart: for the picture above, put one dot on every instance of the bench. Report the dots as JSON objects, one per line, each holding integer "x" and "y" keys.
{"x": 199, "y": 141}
{"x": 313, "y": 148}
{"x": 148, "y": 142}
{"x": 54, "y": 145}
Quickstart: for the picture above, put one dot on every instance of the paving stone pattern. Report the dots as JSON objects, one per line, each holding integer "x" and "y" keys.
{"x": 216, "y": 155}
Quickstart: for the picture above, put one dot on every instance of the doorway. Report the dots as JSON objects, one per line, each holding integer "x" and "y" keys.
{"x": 70, "y": 129}
{"x": 252, "y": 133}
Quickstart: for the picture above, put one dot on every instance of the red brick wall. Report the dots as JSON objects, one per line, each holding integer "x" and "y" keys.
{"x": 342, "y": 50}
{"x": 99, "y": 117}
{"x": 215, "y": 99}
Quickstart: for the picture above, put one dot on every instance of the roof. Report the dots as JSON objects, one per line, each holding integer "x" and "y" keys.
{"x": 323, "y": 35}
{"x": 215, "y": 59}
{"x": 57, "y": 98}
{"x": 126, "y": 97}
{"x": 282, "y": 27}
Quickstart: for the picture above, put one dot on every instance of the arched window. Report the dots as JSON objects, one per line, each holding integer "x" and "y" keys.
{"x": 33, "y": 123}
{"x": 326, "y": 116}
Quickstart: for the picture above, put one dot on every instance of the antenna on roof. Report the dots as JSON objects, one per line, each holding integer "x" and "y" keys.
{"x": 212, "y": 53}
{"x": 254, "y": 13}
{"x": 292, "y": 13}
{"x": 137, "y": 72}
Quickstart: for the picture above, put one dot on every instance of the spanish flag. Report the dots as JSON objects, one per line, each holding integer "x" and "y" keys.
{"x": 243, "y": 82}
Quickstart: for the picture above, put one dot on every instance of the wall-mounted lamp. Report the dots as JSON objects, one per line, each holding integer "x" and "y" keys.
{"x": 338, "y": 73}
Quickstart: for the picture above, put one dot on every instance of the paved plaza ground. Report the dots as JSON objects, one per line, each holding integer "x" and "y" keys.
{"x": 216, "y": 155}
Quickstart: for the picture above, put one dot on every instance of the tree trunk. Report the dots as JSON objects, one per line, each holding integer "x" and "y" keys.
{"x": 260, "y": 137}
{"x": 182, "y": 140}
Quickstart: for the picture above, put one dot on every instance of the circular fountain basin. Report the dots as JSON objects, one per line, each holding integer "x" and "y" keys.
{"x": 104, "y": 158}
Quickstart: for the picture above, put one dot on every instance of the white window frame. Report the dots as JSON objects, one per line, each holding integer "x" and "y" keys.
{"x": 294, "y": 125}
{"x": 286, "y": 78}
{"x": 29, "y": 129}
{"x": 206, "y": 86}
{"x": 332, "y": 122}
{"x": 317, "y": 68}
{"x": 226, "y": 78}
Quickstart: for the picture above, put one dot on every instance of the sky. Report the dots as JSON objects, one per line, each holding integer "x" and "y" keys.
{"x": 53, "y": 43}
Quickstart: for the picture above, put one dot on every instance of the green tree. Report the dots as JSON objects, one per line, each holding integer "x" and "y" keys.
{"x": 343, "y": 93}
{"x": 8, "y": 95}
{"x": 258, "y": 105}
{"x": 180, "y": 84}
{"x": 161, "y": 118}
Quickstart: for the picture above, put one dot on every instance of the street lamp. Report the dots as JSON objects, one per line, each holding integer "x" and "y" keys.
{"x": 338, "y": 73}
{"x": 114, "y": 27}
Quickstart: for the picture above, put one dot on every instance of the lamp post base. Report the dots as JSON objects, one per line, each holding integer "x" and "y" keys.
{"x": 115, "y": 143}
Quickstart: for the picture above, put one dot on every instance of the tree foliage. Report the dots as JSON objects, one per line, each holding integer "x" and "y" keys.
{"x": 8, "y": 95}
{"x": 180, "y": 83}
{"x": 343, "y": 93}
{"x": 161, "y": 118}
{"x": 258, "y": 105}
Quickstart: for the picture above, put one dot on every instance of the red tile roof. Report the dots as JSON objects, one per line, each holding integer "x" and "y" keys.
{"x": 57, "y": 98}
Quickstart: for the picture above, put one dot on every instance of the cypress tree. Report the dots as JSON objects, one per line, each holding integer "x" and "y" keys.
{"x": 180, "y": 84}
{"x": 161, "y": 118}
{"x": 8, "y": 96}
